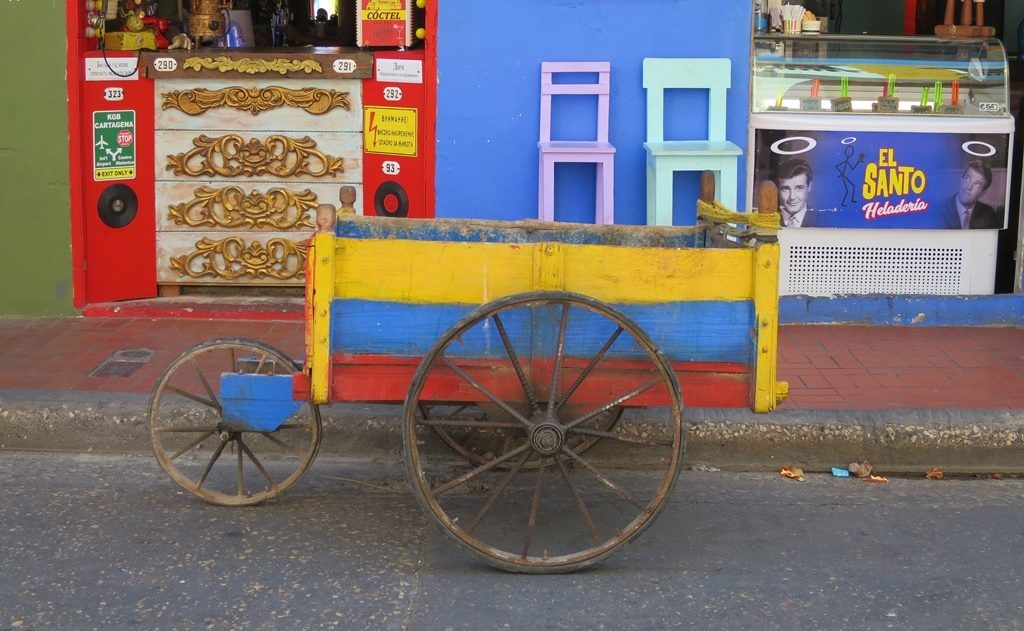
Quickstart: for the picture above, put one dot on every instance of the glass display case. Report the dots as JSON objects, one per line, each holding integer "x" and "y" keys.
{"x": 879, "y": 75}
{"x": 891, "y": 156}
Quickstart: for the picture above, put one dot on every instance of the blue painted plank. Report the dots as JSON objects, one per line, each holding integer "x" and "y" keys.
{"x": 687, "y": 331}
{"x": 257, "y": 403}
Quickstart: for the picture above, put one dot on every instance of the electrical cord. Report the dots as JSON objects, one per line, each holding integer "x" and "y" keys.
{"x": 103, "y": 49}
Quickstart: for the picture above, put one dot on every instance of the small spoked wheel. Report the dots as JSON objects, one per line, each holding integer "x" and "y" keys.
{"x": 550, "y": 474}
{"x": 217, "y": 460}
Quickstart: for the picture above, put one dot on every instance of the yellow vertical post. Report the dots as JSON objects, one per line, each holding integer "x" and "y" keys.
{"x": 318, "y": 316}
{"x": 767, "y": 393}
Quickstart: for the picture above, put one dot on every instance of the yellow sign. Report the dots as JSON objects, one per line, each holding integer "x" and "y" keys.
{"x": 123, "y": 173}
{"x": 390, "y": 130}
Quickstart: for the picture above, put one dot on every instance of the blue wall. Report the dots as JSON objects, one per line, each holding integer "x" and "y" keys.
{"x": 488, "y": 115}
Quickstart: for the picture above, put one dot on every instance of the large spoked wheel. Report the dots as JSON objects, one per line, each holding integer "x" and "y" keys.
{"x": 553, "y": 365}
{"x": 212, "y": 459}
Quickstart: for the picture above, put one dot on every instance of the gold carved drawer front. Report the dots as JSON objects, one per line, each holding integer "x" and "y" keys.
{"x": 241, "y": 167}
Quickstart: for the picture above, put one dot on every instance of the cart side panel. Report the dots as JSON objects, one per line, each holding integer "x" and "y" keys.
{"x": 395, "y": 293}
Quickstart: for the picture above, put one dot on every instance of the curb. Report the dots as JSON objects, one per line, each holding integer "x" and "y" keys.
{"x": 895, "y": 441}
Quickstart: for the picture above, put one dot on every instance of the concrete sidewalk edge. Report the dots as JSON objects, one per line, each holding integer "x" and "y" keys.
{"x": 895, "y": 440}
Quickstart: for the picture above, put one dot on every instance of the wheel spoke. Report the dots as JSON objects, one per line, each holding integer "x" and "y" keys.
{"x": 590, "y": 367}
{"x": 206, "y": 385}
{"x": 587, "y": 519}
{"x": 605, "y": 481}
{"x": 288, "y": 449}
{"x": 614, "y": 436}
{"x": 619, "y": 401}
{"x": 531, "y": 524}
{"x": 487, "y": 393}
{"x": 196, "y": 398}
{"x": 474, "y": 424}
{"x": 498, "y": 490}
{"x": 466, "y": 477}
{"x": 241, "y": 469}
{"x": 192, "y": 444}
{"x": 255, "y": 461}
{"x": 557, "y": 368}
{"x": 259, "y": 366}
{"x": 527, "y": 388}
{"x": 209, "y": 465}
{"x": 183, "y": 430}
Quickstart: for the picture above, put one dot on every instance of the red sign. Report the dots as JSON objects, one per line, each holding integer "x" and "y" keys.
{"x": 384, "y": 23}
{"x": 124, "y": 138}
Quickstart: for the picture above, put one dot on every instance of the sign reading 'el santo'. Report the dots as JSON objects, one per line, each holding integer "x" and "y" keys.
{"x": 390, "y": 130}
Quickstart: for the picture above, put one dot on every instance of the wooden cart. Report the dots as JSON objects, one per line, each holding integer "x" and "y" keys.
{"x": 543, "y": 369}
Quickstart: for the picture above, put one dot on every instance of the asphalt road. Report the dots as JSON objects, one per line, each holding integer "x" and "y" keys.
{"x": 108, "y": 542}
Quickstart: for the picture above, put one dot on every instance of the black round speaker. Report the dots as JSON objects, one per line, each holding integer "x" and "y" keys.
{"x": 118, "y": 205}
{"x": 391, "y": 191}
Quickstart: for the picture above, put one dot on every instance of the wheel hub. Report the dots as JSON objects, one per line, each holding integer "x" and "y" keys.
{"x": 547, "y": 439}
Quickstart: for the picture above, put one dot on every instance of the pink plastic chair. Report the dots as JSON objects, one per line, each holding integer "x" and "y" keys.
{"x": 597, "y": 151}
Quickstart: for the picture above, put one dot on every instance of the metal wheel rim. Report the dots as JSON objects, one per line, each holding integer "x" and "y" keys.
{"x": 532, "y": 563}
{"x": 248, "y": 455}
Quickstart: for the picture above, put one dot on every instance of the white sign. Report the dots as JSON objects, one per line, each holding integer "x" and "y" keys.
{"x": 344, "y": 66}
{"x": 165, "y": 64}
{"x": 120, "y": 69}
{"x": 392, "y": 93}
{"x": 113, "y": 94}
{"x": 390, "y": 167}
{"x": 400, "y": 70}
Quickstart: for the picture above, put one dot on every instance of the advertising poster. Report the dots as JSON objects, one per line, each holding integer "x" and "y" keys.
{"x": 840, "y": 179}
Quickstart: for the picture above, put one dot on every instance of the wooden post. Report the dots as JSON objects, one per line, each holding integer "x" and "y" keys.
{"x": 965, "y": 28}
{"x": 965, "y": 13}
{"x": 948, "y": 18}
{"x": 768, "y": 197}
{"x": 707, "y": 187}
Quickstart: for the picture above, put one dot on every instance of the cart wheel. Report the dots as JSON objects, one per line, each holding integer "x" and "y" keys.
{"x": 211, "y": 460}
{"x": 555, "y": 364}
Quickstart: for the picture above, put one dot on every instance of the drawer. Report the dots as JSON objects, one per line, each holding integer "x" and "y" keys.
{"x": 218, "y": 258}
{"x": 258, "y": 104}
{"x": 249, "y": 155}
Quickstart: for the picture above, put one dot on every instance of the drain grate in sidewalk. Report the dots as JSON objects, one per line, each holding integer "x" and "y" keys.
{"x": 122, "y": 363}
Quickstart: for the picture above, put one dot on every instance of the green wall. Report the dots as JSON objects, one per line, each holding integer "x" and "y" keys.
{"x": 35, "y": 223}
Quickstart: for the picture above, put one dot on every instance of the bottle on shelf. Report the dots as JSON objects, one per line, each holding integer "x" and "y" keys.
{"x": 760, "y": 20}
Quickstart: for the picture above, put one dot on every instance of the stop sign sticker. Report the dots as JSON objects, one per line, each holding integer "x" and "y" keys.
{"x": 125, "y": 138}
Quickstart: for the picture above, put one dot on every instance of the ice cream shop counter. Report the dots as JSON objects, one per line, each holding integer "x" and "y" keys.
{"x": 892, "y": 159}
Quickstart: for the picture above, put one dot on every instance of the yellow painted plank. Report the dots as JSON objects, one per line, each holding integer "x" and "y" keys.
{"x": 768, "y": 392}
{"x": 435, "y": 272}
{"x": 322, "y": 254}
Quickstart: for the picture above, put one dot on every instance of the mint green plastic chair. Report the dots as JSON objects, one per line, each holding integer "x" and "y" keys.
{"x": 665, "y": 157}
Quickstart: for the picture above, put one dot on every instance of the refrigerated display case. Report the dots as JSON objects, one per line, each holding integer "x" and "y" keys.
{"x": 892, "y": 157}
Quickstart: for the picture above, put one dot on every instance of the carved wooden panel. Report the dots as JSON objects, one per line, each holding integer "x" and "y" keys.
{"x": 241, "y": 165}
{"x": 257, "y": 206}
{"x": 197, "y": 258}
{"x": 259, "y": 104}
{"x": 244, "y": 155}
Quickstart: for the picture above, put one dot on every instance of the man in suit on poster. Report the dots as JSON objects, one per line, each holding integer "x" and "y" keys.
{"x": 794, "y": 177}
{"x": 964, "y": 209}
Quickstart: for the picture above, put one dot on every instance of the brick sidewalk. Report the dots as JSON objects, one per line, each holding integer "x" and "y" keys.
{"x": 828, "y": 366}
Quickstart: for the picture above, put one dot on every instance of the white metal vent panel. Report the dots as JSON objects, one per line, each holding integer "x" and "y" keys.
{"x": 824, "y": 262}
